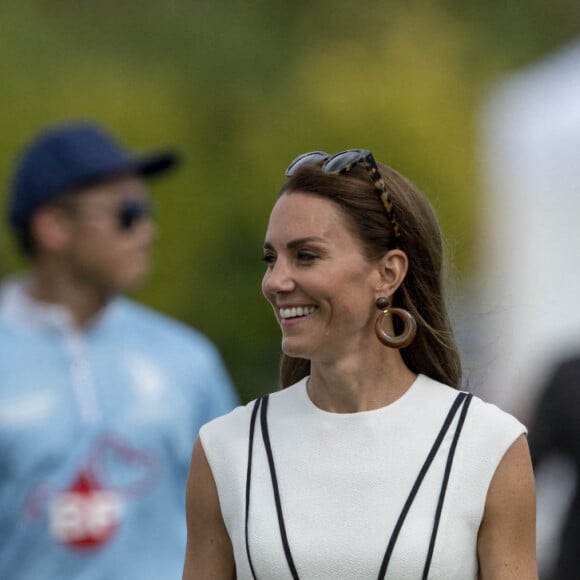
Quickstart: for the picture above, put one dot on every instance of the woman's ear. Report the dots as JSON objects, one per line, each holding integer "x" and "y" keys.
{"x": 393, "y": 269}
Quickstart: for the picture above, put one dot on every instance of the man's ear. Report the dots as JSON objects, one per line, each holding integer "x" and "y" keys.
{"x": 50, "y": 228}
{"x": 393, "y": 269}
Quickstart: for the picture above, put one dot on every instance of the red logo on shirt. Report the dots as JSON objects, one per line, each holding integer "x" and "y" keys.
{"x": 87, "y": 514}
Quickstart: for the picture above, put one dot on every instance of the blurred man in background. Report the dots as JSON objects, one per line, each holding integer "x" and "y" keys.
{"x": 100, "y": 398}
{"x": 555, "y": 434}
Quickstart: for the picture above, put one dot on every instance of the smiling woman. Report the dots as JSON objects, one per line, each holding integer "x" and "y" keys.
{"x": 304, "y": 272}
{"x": 370, "y": 462}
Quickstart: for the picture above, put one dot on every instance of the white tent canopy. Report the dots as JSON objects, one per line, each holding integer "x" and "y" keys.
{"x": 529, "y": 260}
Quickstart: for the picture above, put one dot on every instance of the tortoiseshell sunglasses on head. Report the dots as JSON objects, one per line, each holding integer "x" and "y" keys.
{"x": 343, "y": 162}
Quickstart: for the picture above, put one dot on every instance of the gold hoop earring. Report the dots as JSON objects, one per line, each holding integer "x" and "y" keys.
{"x": 410, "y": 325}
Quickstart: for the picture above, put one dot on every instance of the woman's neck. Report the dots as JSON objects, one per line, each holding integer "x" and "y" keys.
{"x": 351, "y": 387}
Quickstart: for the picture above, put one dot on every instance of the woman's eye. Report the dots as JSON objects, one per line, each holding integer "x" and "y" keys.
{"x": 268, "y": 258}
{"x": 305, "y": 256}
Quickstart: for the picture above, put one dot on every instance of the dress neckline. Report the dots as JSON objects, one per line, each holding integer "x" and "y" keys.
{"x": 310, "y": 407}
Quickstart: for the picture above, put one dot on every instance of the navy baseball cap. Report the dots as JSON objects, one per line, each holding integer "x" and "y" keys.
{"x": 70, "y": 157}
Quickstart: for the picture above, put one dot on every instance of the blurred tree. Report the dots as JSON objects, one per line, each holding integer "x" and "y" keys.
{"x": 242, "y": 87}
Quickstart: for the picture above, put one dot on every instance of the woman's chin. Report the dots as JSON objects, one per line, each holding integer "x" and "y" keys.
{"x": 291, "y": 348}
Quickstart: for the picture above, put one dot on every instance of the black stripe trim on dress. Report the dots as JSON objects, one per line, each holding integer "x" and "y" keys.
{"x": 266, "y": 438}
{"x": 422, "y": 473}
{"x": 450, "y": 456}
{"x": 249, "y": 479}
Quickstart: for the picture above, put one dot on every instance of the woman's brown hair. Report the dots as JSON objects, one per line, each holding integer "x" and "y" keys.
{"x": 434, "y": 351}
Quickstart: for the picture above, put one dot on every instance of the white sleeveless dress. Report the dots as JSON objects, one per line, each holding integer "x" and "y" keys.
{"x": 343, "y": 480}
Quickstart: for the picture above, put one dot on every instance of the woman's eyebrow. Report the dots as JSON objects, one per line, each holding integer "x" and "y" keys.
{"x": 296, "y": 243}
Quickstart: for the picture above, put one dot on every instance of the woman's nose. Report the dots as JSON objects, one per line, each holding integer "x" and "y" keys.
{"x": 278, "y": 278}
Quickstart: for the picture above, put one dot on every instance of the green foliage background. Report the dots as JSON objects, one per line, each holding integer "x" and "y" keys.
{"x": 242, "y": 87}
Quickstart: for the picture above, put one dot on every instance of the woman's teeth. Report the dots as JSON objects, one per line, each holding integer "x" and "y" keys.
{"x": 296, "y": 311}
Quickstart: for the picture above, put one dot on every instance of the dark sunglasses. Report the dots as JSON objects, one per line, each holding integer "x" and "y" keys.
{"x": 132, "y": 211}
{"x": 343, "y": 162}
{"x": 127, "y": 215}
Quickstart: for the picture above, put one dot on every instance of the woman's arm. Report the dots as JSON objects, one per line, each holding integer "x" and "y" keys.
{"x": 209, "y": 553}
{"x": 506, "y": 543}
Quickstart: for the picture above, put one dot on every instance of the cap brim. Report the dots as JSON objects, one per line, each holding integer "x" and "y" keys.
{"x": 156, "y": 163}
